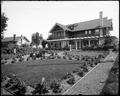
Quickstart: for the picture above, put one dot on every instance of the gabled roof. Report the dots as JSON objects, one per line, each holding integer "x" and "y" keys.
{"x": 7, "y": 39}
{"x": 92, "y": 24}
{"x": 60, "y": 25}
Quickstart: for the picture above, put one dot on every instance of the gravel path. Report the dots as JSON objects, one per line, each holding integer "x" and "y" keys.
{"x": 93, "y": 82}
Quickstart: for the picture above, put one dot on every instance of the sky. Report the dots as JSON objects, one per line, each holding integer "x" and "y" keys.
{"x": 28, "y": 17}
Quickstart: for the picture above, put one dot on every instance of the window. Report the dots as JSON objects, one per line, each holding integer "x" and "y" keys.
{"x": 85, "y": 32}
{"x": 97, "y": 31}
{"x": 89, "y": 31}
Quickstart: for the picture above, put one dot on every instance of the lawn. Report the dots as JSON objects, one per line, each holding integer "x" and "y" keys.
{"x": 33, "y": 71}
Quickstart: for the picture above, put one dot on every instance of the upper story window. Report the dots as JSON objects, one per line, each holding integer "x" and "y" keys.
{"x": 97, "y": 31}
{"x": 89, "y": 31}
{"x": 85, "y": 32}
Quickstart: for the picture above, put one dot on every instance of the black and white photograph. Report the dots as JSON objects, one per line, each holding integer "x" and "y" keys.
{"x": 59, "y": 47}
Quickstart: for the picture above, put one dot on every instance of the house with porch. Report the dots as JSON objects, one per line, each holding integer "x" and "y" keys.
{"x": 80, "y": 35}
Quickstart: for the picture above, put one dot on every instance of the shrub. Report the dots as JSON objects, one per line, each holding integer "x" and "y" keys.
{"x": 21, "y": 59}
{"x": 55, "y": 86}
{"x": 3, "y": 61}
{"x": 40, "y": 89}
{"x": 7, "y": 85}
{"x": 114, "y": 70}
{"x": 71, "y": 81}
{"x": 34, "y": 57}
{"x": 77, "y": 57}
{"x": 110, "y": 89}
{"x": 111, "y": 78}
{"x": 70, "y": 58}
{"x": 80, "y": 73}
{"x": 95, "y": 63}
{"x": 64, "y": 57}
{"x": 39, "y": 55}
{"x": 76, "y": 70}
{"x": 4, "y": 51}
{"x": 28, "y": 58}
{"x": 85, "y": 69}
{"x": 68, "y": 75}
{"x": 31, "y": 54}
{"x": 58, "y": 57}
{"x": 13, "y": 61}
{"x": 21, "y": 91}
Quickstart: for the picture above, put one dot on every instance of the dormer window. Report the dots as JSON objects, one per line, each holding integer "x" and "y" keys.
{"x": 71, "y": 27}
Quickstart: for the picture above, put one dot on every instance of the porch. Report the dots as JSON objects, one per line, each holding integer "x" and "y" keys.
{"x": 75, "y": 44}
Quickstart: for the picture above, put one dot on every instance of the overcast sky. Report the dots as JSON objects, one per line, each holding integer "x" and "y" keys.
{"x": 27, "y": 17}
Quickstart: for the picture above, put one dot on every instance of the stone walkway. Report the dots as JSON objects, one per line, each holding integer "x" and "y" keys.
{"x": 93, "y": 82}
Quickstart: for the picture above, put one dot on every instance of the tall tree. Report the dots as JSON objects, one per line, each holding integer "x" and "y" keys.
{"x": 4, "y": 20}
{"x": 35, "y": 39}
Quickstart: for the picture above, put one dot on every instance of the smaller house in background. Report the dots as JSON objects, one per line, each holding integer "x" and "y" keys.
{"x": 18, "y": 40}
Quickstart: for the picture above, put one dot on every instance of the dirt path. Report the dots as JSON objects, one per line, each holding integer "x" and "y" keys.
{"x": 93, "y": 82}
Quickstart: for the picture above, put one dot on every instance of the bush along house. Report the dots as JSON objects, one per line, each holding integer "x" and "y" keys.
{"x": 80, "y": 35}
{"x": 17, "y": 40}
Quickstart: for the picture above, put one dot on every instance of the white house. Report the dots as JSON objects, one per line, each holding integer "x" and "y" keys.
{"x": 18, "y": 40}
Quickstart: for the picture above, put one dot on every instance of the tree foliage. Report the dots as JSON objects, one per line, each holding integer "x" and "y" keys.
{"x": 110, "y": 41}
{"x": 3, "y": 23}
{"x": 44, "y": 43}
{"x": 35, "y": 39}
{"x": 50, "y": 37}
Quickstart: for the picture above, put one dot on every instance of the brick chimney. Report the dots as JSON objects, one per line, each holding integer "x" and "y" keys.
{"x": 14, "y": 36}
{"x": 101, "y": 22}
{"x": 101, "y": 18}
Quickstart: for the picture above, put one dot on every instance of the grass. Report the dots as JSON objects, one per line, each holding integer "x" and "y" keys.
{"x": 33, "y": 71}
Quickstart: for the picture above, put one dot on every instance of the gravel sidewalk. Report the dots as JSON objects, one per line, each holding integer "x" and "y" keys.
{"x": 94, "y": 81}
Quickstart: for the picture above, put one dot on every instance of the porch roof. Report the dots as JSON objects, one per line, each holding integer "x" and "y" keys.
{"x": 79, "y": 38}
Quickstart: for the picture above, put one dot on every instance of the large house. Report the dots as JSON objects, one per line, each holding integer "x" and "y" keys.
{"x": 79, "y": 35}
{"x": 18, "y": 40}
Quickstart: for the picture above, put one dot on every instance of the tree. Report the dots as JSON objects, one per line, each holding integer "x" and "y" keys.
{"x": 44, "y": 43}
{"x": 50, "y": 37}
{"x": 35, "y": 39}
{"x": 110, "y": 42}
{"x": 3, "y": 24}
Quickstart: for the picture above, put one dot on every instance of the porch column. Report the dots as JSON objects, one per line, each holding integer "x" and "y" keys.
{"x": 79, "y": 44}
{"x": 82, "y": 44}
{"x": 76, "y": 45}
{"x": 63, "y": 44}
{"x": 89, "y": 42}
{"x": 70, "y": 47}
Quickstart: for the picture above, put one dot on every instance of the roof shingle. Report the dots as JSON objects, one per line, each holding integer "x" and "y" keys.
{"x": 92, "y": 24}
{"x": 11, "y": 39}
